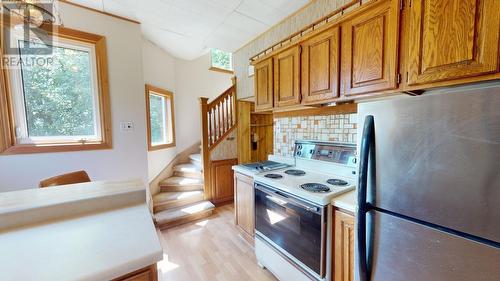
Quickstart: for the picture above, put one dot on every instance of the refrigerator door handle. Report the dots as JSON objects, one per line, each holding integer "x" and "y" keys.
{"x": 367, "y": 146}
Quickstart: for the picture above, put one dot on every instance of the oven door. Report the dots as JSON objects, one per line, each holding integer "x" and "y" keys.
{"x": 295, "y": 226}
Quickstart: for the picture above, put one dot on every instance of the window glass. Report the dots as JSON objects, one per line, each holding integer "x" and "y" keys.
{"x": 59, "y": 97}
{"x": 221, "y": 59}
{"x": 160, "y": 118}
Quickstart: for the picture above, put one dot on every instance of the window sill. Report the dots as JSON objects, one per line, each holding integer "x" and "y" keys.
{"x": 221, "y": 70}
{"x": 162, "y": 146}
{"x": 46, "y": 148}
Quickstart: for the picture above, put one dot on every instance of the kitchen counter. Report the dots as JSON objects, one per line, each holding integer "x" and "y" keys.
{"x": 90, "y": 231}
{"x": 242, "y": 170}
{"x": 346, "y": 201}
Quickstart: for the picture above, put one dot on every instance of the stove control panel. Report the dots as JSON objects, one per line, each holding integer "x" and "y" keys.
{"x": 339, "y": 153}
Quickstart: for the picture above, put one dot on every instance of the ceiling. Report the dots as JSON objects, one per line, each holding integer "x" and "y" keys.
{"x": 187, "y": 29}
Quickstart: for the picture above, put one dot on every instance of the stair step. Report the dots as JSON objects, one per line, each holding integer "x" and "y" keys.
{"x": 195, "y": 157}
{"x": 184, "y": 214}
{"x": 181, "y": 184}
{"x": 188, "y": 171}
{"x": 169, "y": 200}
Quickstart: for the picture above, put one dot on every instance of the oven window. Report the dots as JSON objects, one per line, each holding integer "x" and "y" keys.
{"x": 294, "y": 229}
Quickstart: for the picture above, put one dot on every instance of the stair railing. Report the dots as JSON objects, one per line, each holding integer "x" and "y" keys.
{"x": 218, "y": 120}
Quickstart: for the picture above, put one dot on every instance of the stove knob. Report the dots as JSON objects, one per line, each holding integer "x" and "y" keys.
{"x": 299, "y": 153}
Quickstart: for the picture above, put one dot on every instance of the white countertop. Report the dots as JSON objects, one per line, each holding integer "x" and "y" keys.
{"x": 78, "y": 243}
{"x": 242, "y": 170}
{"x": 346, "y": 201}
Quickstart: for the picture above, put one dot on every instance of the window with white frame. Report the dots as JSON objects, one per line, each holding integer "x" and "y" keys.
{"x": 60, "y": 100}
{"x": 57, "y": 102}
{"x": 221, "y": 60}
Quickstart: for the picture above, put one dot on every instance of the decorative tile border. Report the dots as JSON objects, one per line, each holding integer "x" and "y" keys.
{"x": 335, "y": 128}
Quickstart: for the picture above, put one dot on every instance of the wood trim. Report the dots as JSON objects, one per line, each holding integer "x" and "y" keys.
{"x": 139, "y": 274}
{"x": 98, "y": 11}
{"x": 317, "y": 111}
{"x": 217, "y": 69}
{"x": 8, "y": 143}
{"x": 334, "y": 18}
{"x": 166, "y": 94}
{"x": 205, "y": 152}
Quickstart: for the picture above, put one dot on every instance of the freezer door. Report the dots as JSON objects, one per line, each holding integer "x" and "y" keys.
{"x": 438, "y": 159}
{"x": 406, "y": 251}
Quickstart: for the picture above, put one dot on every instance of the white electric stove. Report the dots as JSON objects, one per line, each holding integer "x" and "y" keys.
{"x": 293, "y": 211}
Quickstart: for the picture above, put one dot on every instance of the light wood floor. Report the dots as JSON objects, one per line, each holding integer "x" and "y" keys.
{"x": 209, "y": 250}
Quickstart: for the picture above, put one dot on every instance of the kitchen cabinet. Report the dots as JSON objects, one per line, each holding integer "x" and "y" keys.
{"x": 370, "y": 49}
{"x": 244, "y": 205}
{"x": 320, "y": 67}
{"x": 286, "y": 77}
{"x": 343, "y": 246}
{"x": 264, "y": 91}
{"x": 452, "y": 39}
{"x": 222, "y": 180}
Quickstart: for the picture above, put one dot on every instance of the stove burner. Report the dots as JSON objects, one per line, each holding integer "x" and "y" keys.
{"x": 338, "y": 182}
{"x": 315, "y": 187}
{"x": 273, "y": 176}
{"x": 294, "y": 172}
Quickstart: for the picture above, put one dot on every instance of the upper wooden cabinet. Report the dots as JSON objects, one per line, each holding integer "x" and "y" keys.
{"x": 450, "y": 39}
{"x": 287, "y": 77}
{"x": 320, "y": 67}
{"x": 264, "y": 85}
{"x": 370, "y": 49}
{"x": 383, "y": 47}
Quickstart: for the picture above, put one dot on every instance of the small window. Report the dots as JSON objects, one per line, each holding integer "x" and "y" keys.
{"x": 221, "y": 61}
{"x": 59, "y": 99}
{"x": 160, "y": 115}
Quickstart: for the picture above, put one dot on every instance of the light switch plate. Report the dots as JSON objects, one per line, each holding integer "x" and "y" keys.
{"x": 127, "y": 126}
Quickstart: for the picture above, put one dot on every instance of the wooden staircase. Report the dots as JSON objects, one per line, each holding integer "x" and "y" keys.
{"x": 181, "y": 198}
{"x": 186, "y": 195}
{"x": 218, "y": 120}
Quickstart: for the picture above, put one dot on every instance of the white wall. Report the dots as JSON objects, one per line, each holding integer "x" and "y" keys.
{"x": 132, "y": 61}
{"x": 128, "y": 158}
{"x": 194, "y": 80}
{"x": 159, "y": 71}
{"x": 188, "y": 80}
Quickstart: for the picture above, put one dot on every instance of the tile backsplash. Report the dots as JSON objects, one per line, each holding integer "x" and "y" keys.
{"x": 336, "y": 128}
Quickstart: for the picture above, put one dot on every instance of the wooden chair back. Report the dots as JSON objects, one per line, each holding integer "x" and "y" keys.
{"x": 70, "y": 178}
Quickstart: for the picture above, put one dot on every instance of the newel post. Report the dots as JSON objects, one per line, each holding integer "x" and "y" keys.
{"x": 205, "y": 153}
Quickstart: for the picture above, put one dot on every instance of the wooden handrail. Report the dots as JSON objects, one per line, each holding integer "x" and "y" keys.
{"x": 220, "y": 117}
{"x": 218, "y": 120}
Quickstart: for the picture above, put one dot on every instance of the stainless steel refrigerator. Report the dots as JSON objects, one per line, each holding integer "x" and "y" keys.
{"x": 429, "y": 188}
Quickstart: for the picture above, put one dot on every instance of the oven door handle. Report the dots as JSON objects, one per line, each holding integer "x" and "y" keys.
{"x": 281, "y": 199}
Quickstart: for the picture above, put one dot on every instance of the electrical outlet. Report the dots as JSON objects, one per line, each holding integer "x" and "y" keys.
{"x": 127, "y": 126}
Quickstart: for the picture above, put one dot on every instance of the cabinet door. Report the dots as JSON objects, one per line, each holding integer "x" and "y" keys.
{"x": 287, "y": 77}
{"x": 343, "y": 246}
{"x": 222, "y": 180}
{"x": 450, "y": 39}
{"x": 370, "y": 49}
{"x": 244, "y": 203}
{"x": 264, "y": 85}
{"x": 320, "y": 70}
